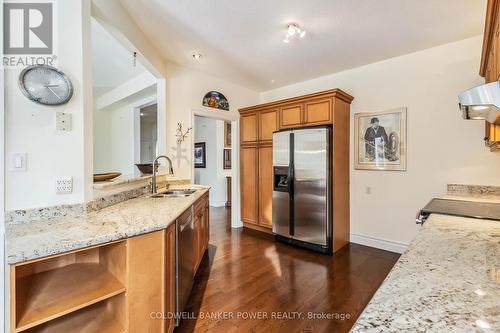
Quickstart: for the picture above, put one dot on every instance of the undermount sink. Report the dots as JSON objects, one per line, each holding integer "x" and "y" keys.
{"x": 174, "y": 193}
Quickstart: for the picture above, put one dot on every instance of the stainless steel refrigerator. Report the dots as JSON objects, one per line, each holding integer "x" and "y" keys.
{"x": 302, "y": 171}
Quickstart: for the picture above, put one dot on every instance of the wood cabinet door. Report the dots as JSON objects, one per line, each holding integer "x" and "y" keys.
{"x": 248, "y": 179}
{"x": 248, "y": 127}
{"x": 268, "y": 123}
{"x": 197, "y": 243}
{"x": 496, "y": 43}
{"x": 266, "y": 186}
{"x": 170, "y": 235}
{"x": 318, "y": 112}
{"x": 291, "y": 116}
{"x": 145, "y": 289}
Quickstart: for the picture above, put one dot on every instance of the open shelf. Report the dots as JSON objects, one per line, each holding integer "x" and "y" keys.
{"x": 96, "y": 318}
{"x": 49, "y": 289}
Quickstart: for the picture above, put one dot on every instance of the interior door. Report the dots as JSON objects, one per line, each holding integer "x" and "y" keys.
{"x": 310, "y": 185}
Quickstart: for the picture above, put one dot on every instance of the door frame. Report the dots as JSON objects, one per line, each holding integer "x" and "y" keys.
{"x": 234, "y": 118}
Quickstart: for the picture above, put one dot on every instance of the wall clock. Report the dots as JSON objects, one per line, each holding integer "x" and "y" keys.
{"x": 45, "y": 85}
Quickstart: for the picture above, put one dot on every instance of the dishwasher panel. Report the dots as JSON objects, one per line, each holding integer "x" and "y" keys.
{"x": 185, "y": 259}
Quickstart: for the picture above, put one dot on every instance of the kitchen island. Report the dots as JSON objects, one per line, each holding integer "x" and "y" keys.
{"x": 447, "y": 281}
{"x": 109, "y": 270}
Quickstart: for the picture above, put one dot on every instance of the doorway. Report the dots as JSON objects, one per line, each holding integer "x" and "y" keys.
{"x": 231, "y": 192}
{"x": 212, "y": 158}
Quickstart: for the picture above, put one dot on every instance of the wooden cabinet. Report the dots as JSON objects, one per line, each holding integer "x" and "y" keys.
{"x": 248, "y": 128}
{"x": 318, "y": 112}
{"x": 310, "y": 113}
{"x": 490, "y": 63}
{"x": 249, "y": 184}
{"x": 266, "y": 186}
{"x": 202, "y": 228}
{"x": 330, "y": 107}
{"x": 268, "y": 123}
{"x": 170, "y": 290}
{"x": 291, "y": 115}
{"x": 146, "y": 288}
{"x": 64, "y": 292}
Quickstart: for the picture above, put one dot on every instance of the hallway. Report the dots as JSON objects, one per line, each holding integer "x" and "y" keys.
{"x": 250, "y": 283}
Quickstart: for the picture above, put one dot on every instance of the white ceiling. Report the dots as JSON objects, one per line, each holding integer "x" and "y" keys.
{"x": 242, "y": 40}
{"x": 112, "y": 64}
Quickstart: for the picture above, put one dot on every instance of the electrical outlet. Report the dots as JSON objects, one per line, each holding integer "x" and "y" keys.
{"x": 64, "y": 185}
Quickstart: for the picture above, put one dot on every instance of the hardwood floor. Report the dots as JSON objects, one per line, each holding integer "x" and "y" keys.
{"x": 246, "y": 273}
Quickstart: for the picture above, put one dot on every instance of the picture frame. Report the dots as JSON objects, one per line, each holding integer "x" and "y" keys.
{"x": 227, "y": 159}
{"x": 380, "y": 141}
{"x": 216, "y": 100}
{"x": 200, "y": 155}
{"x": 227, "y": 134}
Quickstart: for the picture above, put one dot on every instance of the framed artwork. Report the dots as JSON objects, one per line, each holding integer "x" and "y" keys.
{"x": 200, "y": 155}
{"x": 380, "y": 140}
{"x": 227, "y": 134}
{"x": 214, "y": 99}
{"x": 227, "y": 159}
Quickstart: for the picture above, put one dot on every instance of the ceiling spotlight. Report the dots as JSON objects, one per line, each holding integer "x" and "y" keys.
{"x": 292, "y": 31}
{"x": 197, "y": 56}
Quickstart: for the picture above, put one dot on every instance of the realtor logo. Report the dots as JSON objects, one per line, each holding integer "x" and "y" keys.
{"x": 28, "y": 28}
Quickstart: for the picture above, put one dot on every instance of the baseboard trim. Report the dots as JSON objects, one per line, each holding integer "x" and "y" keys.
{"x": 217, "y": 203}
{"x": 379, "y": 243}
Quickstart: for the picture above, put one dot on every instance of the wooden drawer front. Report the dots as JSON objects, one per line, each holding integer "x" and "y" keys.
{"x": 248, "y": 125}
{"x": 268, "y": 123}
{"x": 266, "y": 186}
{"x": 319, "y": 111}
{"x": 291, "y": 116}
{"x": 248, "y": 172}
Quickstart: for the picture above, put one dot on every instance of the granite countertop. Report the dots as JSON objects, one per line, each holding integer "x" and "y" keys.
{"x": 447, "y": 281}
{"x": 37, "y": 239}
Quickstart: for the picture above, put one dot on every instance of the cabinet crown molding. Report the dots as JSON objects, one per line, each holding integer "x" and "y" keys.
{"x": 336, "y": 93}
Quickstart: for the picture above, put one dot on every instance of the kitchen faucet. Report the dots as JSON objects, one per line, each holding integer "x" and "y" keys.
{"x": 170, "y": 171}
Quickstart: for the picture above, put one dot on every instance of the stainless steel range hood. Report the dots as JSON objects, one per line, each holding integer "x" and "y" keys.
{"x": 482, "y": 102}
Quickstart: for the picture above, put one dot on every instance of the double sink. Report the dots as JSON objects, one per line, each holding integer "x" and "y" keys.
{"x": 174, "y": 193}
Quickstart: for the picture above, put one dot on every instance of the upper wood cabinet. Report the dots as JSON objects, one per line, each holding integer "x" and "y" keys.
{"x": 291, "y": 115}
{"x": 248, "y": 128}
{"x": 318, "y": 112}
{"x": 490, "y": 62}
{"x": 310, "y": 113}
{"x": 268, "y": 123}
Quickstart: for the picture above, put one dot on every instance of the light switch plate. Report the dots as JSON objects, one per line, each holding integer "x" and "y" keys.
{"x": 63, "y": 121}
{"x": 17, "y": 161}
{"x": 64, "y": 185}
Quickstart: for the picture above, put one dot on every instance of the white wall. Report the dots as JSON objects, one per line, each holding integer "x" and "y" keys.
{"x": 115, "y": 136}
{"x": 185, "y": 91}
{"x": 30, "y": 128}
{"x": 442, "y": 148}
{"x": 211, "y": 131}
